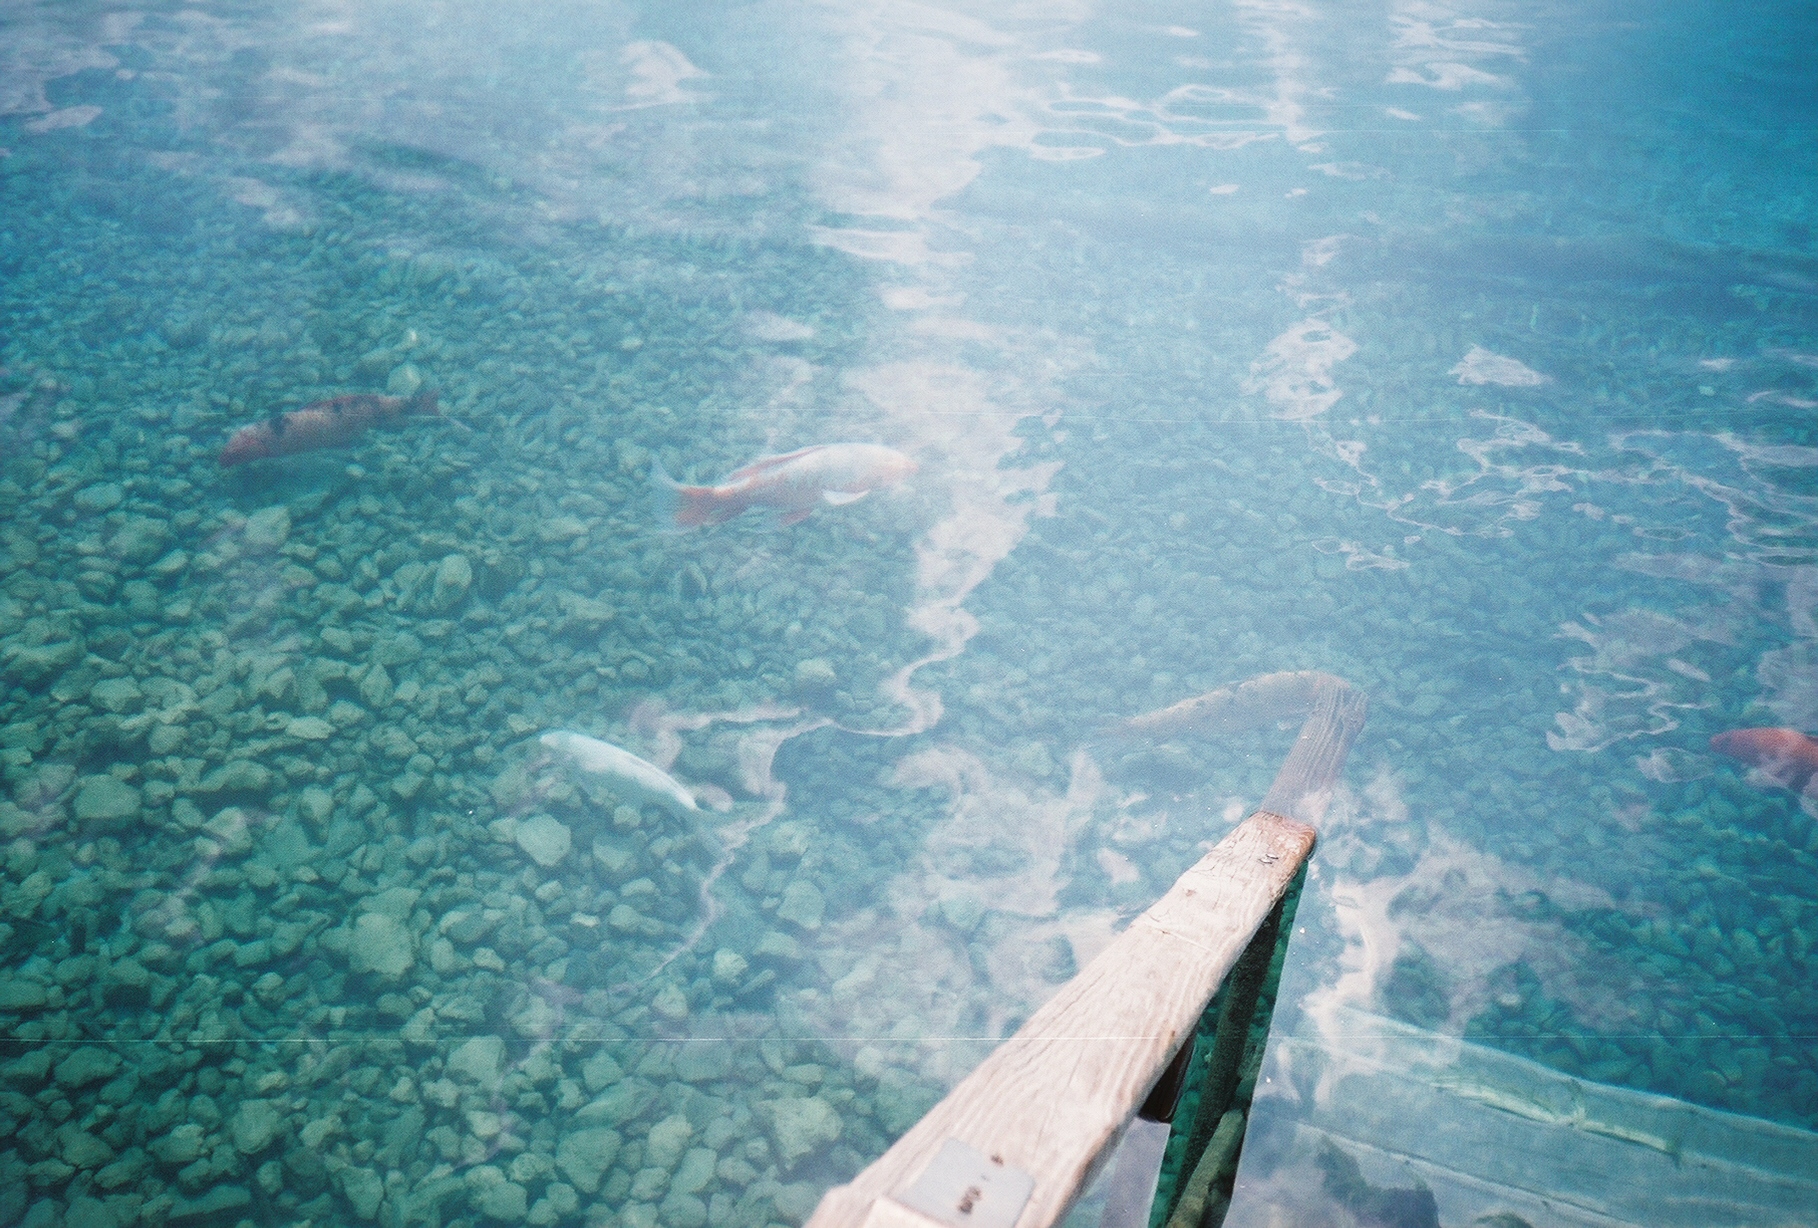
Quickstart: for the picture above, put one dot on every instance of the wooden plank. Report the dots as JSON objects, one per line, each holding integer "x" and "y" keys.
{"x": 889, "y": 1213}
{"x": 1334, "y": 714}
{"x": 1051, "y": 1099}
{"x": 1304, "y": 785}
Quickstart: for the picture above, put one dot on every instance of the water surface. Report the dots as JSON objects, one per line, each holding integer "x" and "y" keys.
{"x": 1463, "y": 351}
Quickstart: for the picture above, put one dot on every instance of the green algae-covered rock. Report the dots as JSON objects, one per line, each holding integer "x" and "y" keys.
{"x": 104, "y": 799}
{"x": 667, "y": 1142}
{"x": 87, "y": 1065}
{"x": 802, "y": 905}
{"x": 448, "y": 588}
{"x": 585, "y": 1155}
{"x": 380, "y": 945}
{"x": 492, "y": 1194}
{"x": 477, "y": 1060}
{"x": 544, "y": 840}
{"x": 267, "y": 529}
{"x": 255, "y": 1124}
{"x": 798, "y": 1126}
{"x": 237, "y": 776}
{"x": 116, "y": 695}
{"x": 220, "y": 1203}
{"x": 364, "y": 1190}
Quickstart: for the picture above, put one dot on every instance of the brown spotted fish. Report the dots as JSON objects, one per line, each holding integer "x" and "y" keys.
{"x": 333, "y": 423}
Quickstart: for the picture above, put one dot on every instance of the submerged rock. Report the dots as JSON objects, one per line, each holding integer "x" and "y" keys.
{"x": 116, "y": 695}
{"x": 799, "y": 1126}
{"x": 380, "y": 945}
{"x": 495, "y": 1196}
{"x": 667, "y": 1141}
{"x": 104, "y": 799}
{"x": 219, "y": 1203}
{"x": 309, "y": 729}
{"x": 453, "y": 577}
{"x": 477, "y": 1060}
{"x": 237, "y": 776}
{"x": 256, "y": 1123}
{"x": 544, "y": 840}
{"x": 85, "y": 1066}
{"x": 815, "y": 678}
{"x": 364, "y": 1190}
{"x": 584, "y": 1156}
{"x": 267, "y": 529}
{"x": 670, "y": 1003}
{"x": 17, "y": 994}
{"x": 32, "y": 663}
{"x": 802, "y": 905}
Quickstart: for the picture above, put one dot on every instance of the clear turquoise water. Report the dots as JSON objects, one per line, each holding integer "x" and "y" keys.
{"x": 1467, "y": 353}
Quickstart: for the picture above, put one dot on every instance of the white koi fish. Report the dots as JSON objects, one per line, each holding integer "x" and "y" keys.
{"x": 635, "y": 780}
{"x": 793, "y": 484}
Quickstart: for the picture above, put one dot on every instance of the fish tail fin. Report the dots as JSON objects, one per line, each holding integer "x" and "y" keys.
{"x": 682, "y": 507}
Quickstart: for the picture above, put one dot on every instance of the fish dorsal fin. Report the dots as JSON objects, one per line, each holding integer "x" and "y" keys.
{"x": 839, "y": 498}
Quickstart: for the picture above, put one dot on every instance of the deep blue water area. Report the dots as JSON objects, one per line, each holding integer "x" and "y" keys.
{"x": 1466, "y": 352}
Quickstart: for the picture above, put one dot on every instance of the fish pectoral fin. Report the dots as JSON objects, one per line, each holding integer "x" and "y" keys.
{"x": 795, "y": 517}
{"x": 839, "y": 498}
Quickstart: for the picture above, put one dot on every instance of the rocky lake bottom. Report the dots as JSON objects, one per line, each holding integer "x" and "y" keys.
{"x": 300, "y": 923}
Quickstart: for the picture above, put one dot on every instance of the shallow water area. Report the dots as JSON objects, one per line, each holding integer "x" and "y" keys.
{"x": 1466, "y": 352}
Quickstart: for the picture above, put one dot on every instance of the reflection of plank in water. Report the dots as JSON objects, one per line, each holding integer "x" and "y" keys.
{"x": 1333, "y": 712}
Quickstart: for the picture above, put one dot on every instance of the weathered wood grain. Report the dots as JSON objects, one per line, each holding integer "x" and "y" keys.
{"x": 1304, "y": 785}
{"x": 889, "y": 1213}
{"x": 1052, "y": 1098}
{"x": 1334, "y": 712}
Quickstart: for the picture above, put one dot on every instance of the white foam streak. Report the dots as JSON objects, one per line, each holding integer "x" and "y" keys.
{"x": 763, "y": 729}
{"x": 909, "y": 939}
{"x": 657, "y": 71}
{"x": 948, "y": 410}
{"x": 1458, "y": 905}
{"x": 1480, "y": 366}
{"x": 1628, "y": 687}
{"x": 1294, "y": 373}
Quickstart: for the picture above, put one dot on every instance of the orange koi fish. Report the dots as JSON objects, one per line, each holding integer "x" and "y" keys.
{"x": 793, "y": 484}
{"x": 333, "y": 423}
{"x": 1786, "y": 755}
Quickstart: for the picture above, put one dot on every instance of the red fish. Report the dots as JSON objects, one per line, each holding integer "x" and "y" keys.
{"x": 333, "y": 423}
{"x": 793, "y": 484}
{"x": 1786, "y": 755}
